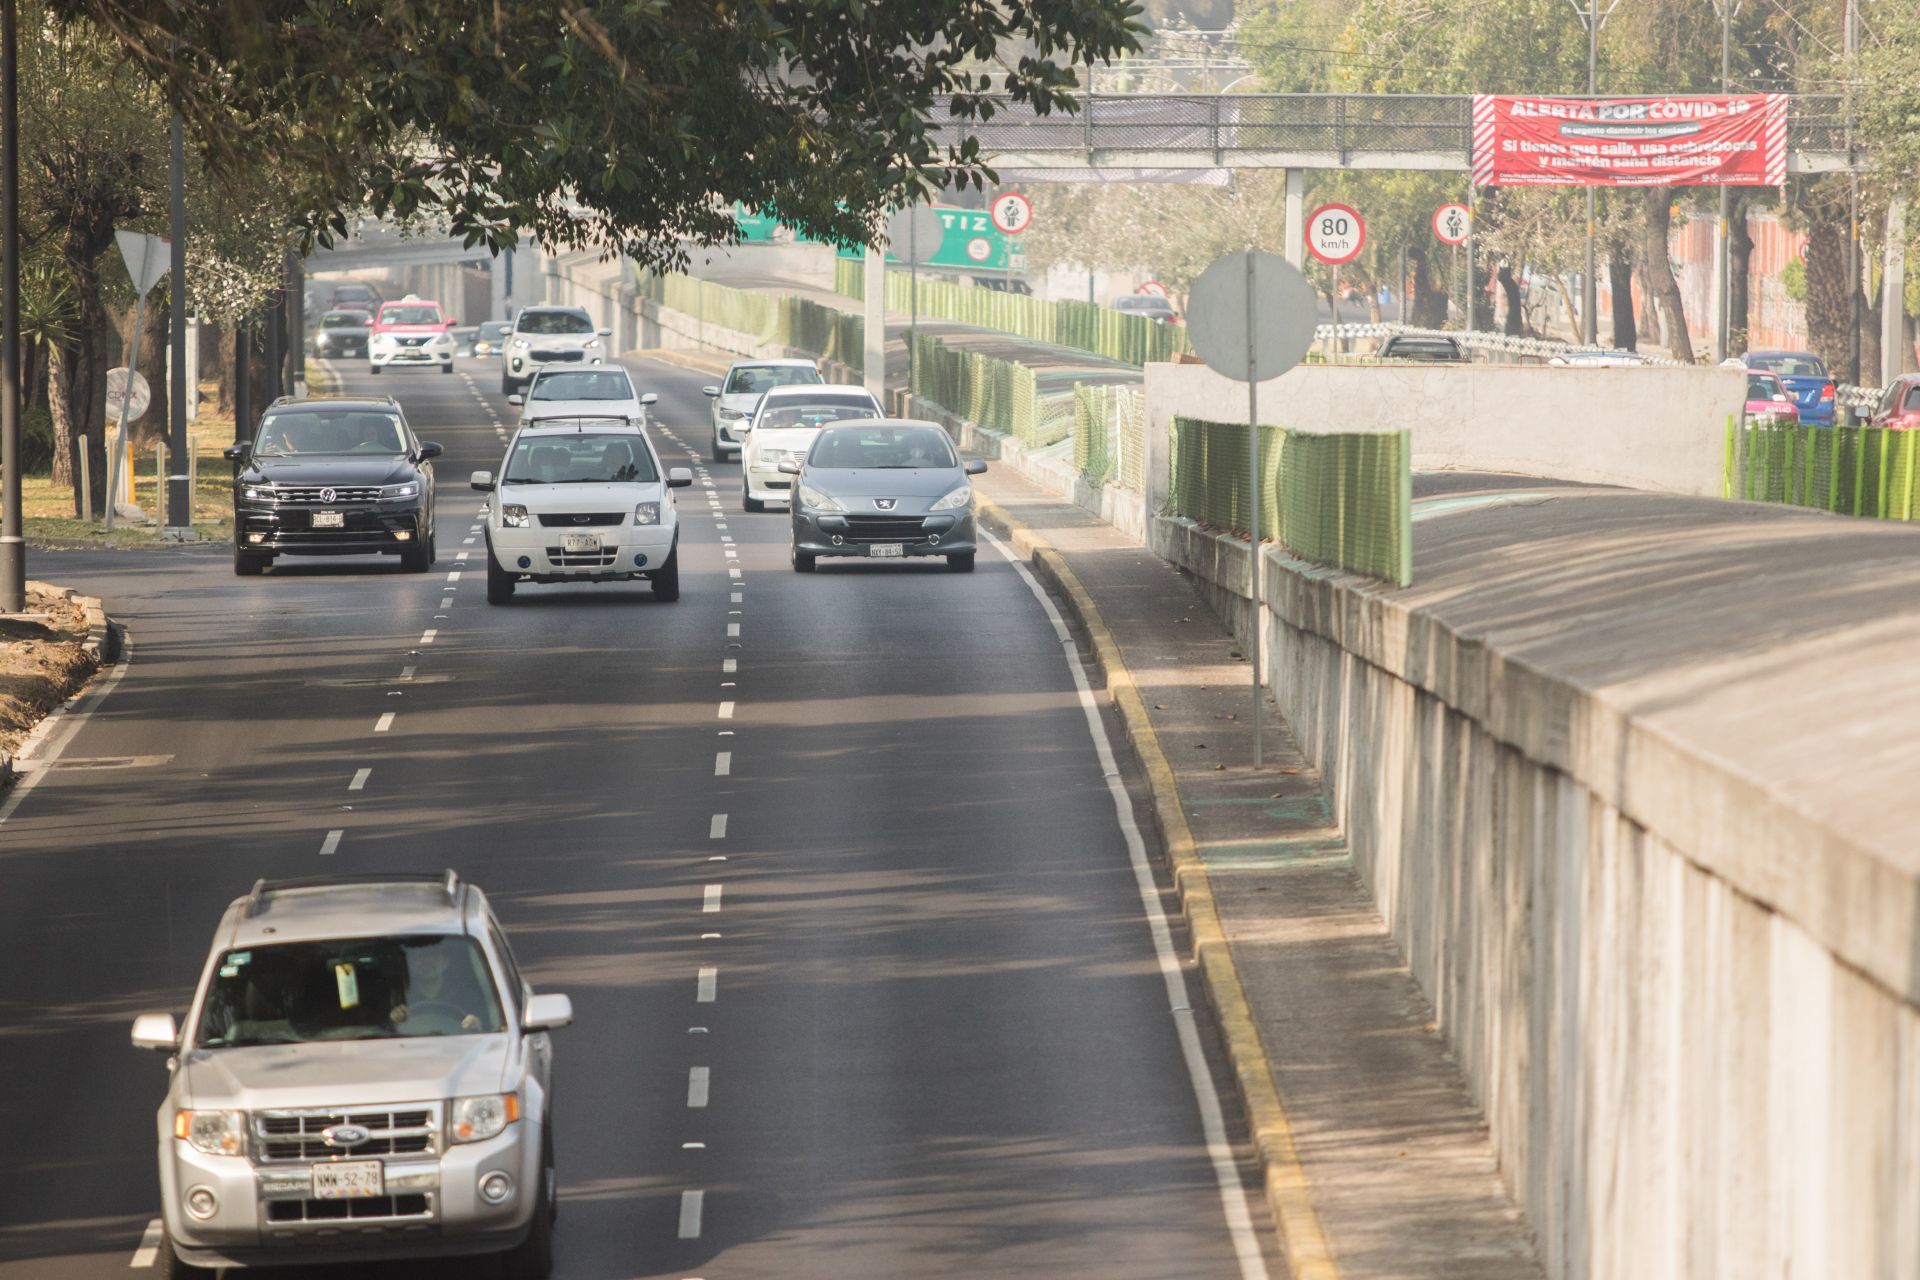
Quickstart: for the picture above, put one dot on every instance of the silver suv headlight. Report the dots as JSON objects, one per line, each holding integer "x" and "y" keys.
{"x": 218, "y": 1133}
{"x": 514, "y": 516}
{"x": 954, "y": 500}
{"x": 477, "y": 1119}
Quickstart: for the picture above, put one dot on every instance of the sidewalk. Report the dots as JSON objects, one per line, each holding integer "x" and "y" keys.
{"x": 1377, "y": 1160}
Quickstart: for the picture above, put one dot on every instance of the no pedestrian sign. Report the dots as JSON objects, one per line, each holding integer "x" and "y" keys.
{"x": 1335, "y": 234}
{"x": 1452, "y": 222}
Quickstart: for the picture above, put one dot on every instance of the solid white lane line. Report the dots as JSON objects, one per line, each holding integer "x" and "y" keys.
{"x": 733, "y": 628}
{"x": 726, "y": 711}
{"x": 149, "y": 1250}
{"x": 706, "y": 985}
{"x": 331, "y": 843}
{"x": 426, "y": 637}
{"x": 690, "y": 1204}
{"x": 1233, "y": 1194}
{"x": 727, "y": 665}
{"x": 710, "y": 905}
{"x": 384, "y": 723}
{"x": 360, "y": 777}
{"x": 722, "y": 762}
{"x": 697, "y": 1078}
{"x": 717, "y": 829}
{"x": 54, "y": 734}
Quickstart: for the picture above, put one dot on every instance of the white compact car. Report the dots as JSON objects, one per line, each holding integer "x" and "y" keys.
{"x": 782, "y": 430}
{"x": 581, "y": 500}
{"x": 598, "y": 392}
{"x": 550, "y": 335}
{"x": 746, "y": 382}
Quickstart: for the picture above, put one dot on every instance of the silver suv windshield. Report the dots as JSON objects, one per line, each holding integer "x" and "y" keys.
{"x": 350, "y": 989}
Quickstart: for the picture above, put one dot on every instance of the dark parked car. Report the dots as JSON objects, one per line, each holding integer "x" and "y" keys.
{"x": 342, "y": 333}
{"x": 333, "y": 477}
{"x": 1430, "y": 350}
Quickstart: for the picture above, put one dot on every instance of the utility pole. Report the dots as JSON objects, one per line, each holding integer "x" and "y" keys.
{"x": 1593, "y": 19}
{"x": 13, "y": 540}
{"x": 242, "y": 383}
{"x": 179, "y": 488}
{"x": 1854, "y": 290}
{"x": 1722, "y": 242}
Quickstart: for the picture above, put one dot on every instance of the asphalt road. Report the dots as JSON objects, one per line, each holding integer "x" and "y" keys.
{"x": 940, "y": 1043}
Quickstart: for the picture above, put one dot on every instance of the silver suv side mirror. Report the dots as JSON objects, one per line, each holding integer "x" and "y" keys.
{"x": 547, "y": 1013}
{"x": 156, "y": 1032}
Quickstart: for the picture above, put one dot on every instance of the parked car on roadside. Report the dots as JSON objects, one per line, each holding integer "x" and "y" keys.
{"x": 1768, "y": 398}
{"x": 1807, "y": 380}
{"x": 1428, "y": 350}
{"x": 1899, "y": 405}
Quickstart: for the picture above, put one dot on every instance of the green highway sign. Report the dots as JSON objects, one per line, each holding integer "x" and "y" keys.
{"x": 755, "y": 228}
{"x": 970, "y": 242}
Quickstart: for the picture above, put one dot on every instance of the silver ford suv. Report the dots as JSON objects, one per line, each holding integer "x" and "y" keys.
{"x": 363, "y": 1075}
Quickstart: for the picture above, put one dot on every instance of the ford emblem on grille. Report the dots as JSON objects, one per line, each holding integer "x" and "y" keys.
{"x": 344, "y": 1135}
{"x": 884, "y": 504}
{"x": 582, "y": 519}
{"x": 328, "y": 495}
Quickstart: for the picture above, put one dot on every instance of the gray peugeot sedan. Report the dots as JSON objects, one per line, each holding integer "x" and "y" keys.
{"x": 883, "y": 490}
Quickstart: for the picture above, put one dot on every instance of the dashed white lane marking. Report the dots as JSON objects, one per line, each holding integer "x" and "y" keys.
{"x": 736, "y": 597}
{"x": 406, "y": 673}
{"x": 426, "y": 637}
{"x": 733, "y": 628}
{"x": 717, "y": 829}
{"x": 706, "y": 985}
{"x": 726, "y": 537}
{"x": 733, "y": 570}
{"x": 729, "y": 665}
{"x": 149, "y": 1251}
{"x": 722, "y": 762}
{"x": 331, "y": 843}
{"x": 453, "y": 576}
{"x": 384, "y": 723}
{"x": 710, "y": 903}
{"x": 690, "y": 1206}
{"x": 360, "y": 777}
{"x": 462, "y": 556}
{"x": 466, "y": 542}
{"x": 697, "y": 1080}
{"x": 736, "y": 612}
{"x": 726, "y": 711}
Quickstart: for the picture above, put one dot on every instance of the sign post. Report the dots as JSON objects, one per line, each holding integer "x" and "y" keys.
{"x": 919, "y": 231}
{"x": 1250, "y": 316}
{"x": 1335, "y": 234}
{"x": 147, "y": 258}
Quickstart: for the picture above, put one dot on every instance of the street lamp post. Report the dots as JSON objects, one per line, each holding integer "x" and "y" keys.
{"x": 1593, "y": 20}
{"x": 178, "y": 487}
{"x": 13, "y": 541}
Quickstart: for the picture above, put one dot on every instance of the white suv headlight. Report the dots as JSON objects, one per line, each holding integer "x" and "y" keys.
{"x": 477, "y": 1119}
{"x": 955, "y": 500}
{"x": 514, "y": 516}
{"x": 647, "y": 513}
{"x": 591, "y": 344}
{"x": 218, "y": 1133}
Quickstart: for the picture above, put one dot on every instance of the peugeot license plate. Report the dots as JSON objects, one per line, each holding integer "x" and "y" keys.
{"x": 885, "y": 549}
{"x": 580, "y": 541}
{"x": 348, "y": 1180}
{"x": 329, "y": 519}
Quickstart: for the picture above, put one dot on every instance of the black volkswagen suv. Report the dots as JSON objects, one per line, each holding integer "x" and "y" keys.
{"x": 330, "y": 477}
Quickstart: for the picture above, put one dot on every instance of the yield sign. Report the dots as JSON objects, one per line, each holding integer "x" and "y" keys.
{"x": 147, "y": 258}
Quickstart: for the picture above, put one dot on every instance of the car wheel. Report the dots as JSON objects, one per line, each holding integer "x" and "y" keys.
{"x": 747, "y": 499}
{"x": 447, "y": 367}
{"x": 506, "y": 385}
{"x": 417, "y": 558}
{"x": 532, "y": 1258}
{"x": 168, "y": 1266}
{"x": 247, "y": 566}
{"x": 373, "y": 368}
{"x": 803, "y": 561}
{"x": 499, "y": 582}
{"x": 666, "y": 580}
{"x": 961, "y": 562}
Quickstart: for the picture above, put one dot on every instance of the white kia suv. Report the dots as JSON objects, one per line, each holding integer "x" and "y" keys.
{"x": 550, "y": 335}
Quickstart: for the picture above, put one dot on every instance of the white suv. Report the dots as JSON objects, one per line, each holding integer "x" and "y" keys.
{"x": 363, "y": 1076}
{"x": 581, "y": 500}
{"x": 782, "y": 429}
{"x": 550, "y": 336}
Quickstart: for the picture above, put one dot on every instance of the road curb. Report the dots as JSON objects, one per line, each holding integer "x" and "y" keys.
{"x": 102, "y": 645}
{"x": 1303, "y": 1242}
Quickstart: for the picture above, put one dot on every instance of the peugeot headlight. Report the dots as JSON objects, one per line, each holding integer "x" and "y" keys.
{"x": 514, "y": 516}
{"x": 647, "y": 513}
{"x": 955, "y": 500}
{"x": 218, "y": 1133}
{"x": 477, "y": 1119}
{"x": 411, "y": 489}
{"x": 812, "y": 497}
{"x": 257, "y": 492}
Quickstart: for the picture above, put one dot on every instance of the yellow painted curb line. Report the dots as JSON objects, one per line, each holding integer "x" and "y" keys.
{"x": 1303, "y": 1242}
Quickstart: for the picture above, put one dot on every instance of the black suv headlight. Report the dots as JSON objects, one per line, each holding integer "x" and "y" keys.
{"x": 258, "y": 491}
{"x": 393, "y": 492}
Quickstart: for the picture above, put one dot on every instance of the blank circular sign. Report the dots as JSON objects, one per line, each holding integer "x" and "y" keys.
{"x": 914, "y": 235}
{"x": 134, "y": 390}
{"x": 1251, "y": 315}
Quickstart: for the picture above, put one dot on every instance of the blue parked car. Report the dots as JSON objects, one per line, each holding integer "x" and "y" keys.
{"x": 1807, "y": 381}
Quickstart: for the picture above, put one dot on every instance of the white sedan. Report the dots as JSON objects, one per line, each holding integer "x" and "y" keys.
{"x": 599, "y": 392}
{"x": 781, "y": 429}
{"x": 581, "y": 500}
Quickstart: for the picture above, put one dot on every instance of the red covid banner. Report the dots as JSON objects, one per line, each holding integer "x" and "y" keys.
{"x": 1738, "y": 140}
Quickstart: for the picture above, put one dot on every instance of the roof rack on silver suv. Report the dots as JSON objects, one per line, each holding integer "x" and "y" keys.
{"x": 449, "y": 880}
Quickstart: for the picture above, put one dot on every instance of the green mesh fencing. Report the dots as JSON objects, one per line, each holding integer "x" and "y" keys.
{"x": 997, "y": 394}
{"x": 1851, "y": 471}
{"x": 1109, "y": 434}
{"x": 782, "y": 319}
{"x": 1083, "y": 326}
{"x": 1342, "y": 499}
{"x": 850, "y": 279}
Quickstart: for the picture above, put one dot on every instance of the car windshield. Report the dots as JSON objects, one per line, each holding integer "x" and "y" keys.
{"x": 1762, "y": 386}
{"x": 815, "y": 412}
{"x": 350, "y": 989}
{"x": 495, "y": 329}
{"x": 586, "y": 458}
{"x": 410, "y": 315}
{"x": 554, "y": 322}
{"x": 1913, "y": 400}
{"x": 343, "y": 320}
{"x": 582, "y": 385}
{"x": 1792, "y": 365}
{"x": 751, "y": 380}
{"x": 342, "y": 431}
{"x": 848, "y": 448}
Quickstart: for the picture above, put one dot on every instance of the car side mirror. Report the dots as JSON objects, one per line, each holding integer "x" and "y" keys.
{"x": 428, "y": 449}
{"x": 679, "y": 478}
{"x": 605, "y": 333}
{"x": 650, "y": 398}
{"x": 156, "y": 1032}
{"x": 710, "y": 391}
{"x": 482, "y": 481}
{"x": 789, "y": 468}
{"x": 976, "y": 467}
{"x": 516, "y": 398}
{"x": 547, "y": 1013}
{"x": 237, "y": 452}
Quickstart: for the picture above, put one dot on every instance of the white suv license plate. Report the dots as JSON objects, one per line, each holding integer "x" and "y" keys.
{"x": 349, "y": 1180}
{"x": 580, "y": 541}
{"x": 884, "y": 550}
{"x": 329, "y": 519}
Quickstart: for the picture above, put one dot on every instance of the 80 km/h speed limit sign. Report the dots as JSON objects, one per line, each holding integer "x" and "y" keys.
{"x": 1335, "y": 234}
{"x": 1012, "y": 213}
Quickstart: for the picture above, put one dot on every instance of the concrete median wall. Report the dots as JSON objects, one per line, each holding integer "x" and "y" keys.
{"x": 1655, "y": 429}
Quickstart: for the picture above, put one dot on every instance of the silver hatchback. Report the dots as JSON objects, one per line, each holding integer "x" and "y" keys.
{"x": 883, "y": 490}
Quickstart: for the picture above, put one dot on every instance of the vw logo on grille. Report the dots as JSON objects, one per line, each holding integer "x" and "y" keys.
{"x": 884, "y": 504}
{"x": 344, "y": 1135}
{"x": 328, "y": 495}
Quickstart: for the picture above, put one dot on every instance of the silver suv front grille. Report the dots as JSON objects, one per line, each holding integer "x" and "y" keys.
{"x": 285, "y": 1137}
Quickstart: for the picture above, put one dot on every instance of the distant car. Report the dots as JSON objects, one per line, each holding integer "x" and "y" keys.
{"x": 1767, "y": 398}
{"x": 1807, "y": 380}
{"x": 782, "y": 429}
{"x": 1151, "y": 305}
{"x": 342, "y": 333}
{"x": 1899, "y": 405}
{"x": 463, "y": 336}
{"x": 735, "y": 398}
{"x": 581, "y": 500}
{"x": 1004, "y": 284}
{"x": 883, "y": 490}
{"x": 491, "y": 339}
{"x": 561, "y": 392}
{"x": 354, "y": 296}
{"x": 363, "y": 1075}
{"x": 550, "y": 335}
{"x": 412, "y": 331}
{"x": 1402, "y": 346}
{"x": 1597, "y": 358}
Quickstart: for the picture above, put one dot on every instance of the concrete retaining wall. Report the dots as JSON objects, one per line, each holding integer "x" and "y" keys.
{"x": 1655, "y": 429}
